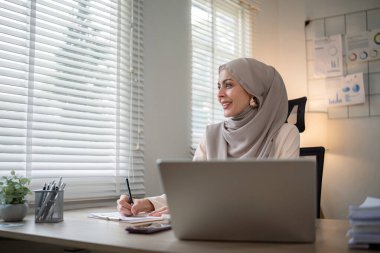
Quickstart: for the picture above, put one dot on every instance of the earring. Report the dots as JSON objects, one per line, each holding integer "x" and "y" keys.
{"x": 253, "y": 102}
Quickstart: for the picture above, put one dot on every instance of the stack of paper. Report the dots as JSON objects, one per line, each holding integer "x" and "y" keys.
{"x": 365, "y": 224}
{"x": 116, "y": 216}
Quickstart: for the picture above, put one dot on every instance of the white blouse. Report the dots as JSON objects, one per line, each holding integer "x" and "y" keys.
{"x": 286, "y": 145}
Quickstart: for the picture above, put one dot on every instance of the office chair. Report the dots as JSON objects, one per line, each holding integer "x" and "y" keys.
{"x": 318, "y": 152}
{"x": 300, "y": 103}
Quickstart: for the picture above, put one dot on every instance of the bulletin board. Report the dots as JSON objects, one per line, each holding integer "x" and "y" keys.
{"x": 352, "y": 55}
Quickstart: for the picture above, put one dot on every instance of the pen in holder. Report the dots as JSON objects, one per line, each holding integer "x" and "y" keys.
{"x": 49, "y": 206}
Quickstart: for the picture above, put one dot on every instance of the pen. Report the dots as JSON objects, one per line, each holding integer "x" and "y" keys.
{"x": 130, "y": 201}
{"x": 42, "y": 196}
{"x": 60, "y": 182}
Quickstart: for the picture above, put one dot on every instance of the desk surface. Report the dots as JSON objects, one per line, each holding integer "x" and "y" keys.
{"x": 79, "y": 231}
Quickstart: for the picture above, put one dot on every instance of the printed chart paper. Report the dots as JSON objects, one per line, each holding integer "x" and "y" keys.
{"x": 363, "y": 46}
{"x": 328, "y": 56}
{"x": 348, "y": 90}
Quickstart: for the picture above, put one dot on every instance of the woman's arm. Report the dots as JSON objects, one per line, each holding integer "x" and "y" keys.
{"x": 287, "y": 142}
{"x": 200, "y": 152}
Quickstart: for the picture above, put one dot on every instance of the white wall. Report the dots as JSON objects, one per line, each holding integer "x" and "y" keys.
{"x": 353, "y": 159}
{"x": 352, "y": 169}
{"x": 280, "y": 44}
{"x": 167, "y": 85}
{"x": 352, "y": 162}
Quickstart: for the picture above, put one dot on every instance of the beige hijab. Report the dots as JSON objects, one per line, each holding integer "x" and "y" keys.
{"x": 250, "y": 134}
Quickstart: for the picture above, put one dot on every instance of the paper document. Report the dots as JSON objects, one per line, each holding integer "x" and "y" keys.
{"x": 371, "y": 202}
{"x": 365, "y": 224}
{"x": 116, "y": 216}
{"x": 328, "y": 56}
{"x": 347, "y": 90}
{"x": 369, "y": 209}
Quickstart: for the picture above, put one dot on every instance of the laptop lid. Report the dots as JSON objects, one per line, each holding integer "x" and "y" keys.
{"x": 241, "y": 200}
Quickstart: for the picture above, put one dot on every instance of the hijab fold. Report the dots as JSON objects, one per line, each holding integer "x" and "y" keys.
{"x": 250, "y": 134}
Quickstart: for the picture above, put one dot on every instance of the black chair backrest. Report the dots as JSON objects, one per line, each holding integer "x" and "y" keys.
{"x": 318, "y": 152}
{"x": 300, "y": 103}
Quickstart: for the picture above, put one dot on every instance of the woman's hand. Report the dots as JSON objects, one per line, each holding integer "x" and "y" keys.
{"x": 159, "y": 212}
{"x": 140, "y": 205}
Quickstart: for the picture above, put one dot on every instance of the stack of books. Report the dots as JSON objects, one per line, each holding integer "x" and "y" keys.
{"x": 365, "y": 224}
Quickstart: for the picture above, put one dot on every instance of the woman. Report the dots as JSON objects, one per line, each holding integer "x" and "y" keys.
{"x": 253, "y": 96}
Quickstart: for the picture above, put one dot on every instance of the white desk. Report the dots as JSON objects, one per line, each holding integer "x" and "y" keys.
{"x": 78, "y": 231}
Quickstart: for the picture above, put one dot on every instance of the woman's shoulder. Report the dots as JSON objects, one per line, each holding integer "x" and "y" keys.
{"x": 288, "y": 128}
{"x": 286, "y": 132}
{"x": 287, "y": 142}
{"x": 216, "y": 124}
{"x": 213, "y": 127}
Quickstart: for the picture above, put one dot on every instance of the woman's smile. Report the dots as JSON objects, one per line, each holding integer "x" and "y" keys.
{"x": 233, "y": 98}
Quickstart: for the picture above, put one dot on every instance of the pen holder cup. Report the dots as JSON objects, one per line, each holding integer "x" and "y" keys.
{"x": 48, "y": 206}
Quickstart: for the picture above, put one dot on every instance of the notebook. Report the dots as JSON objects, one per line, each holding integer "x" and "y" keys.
{"x": 241, "y": 200}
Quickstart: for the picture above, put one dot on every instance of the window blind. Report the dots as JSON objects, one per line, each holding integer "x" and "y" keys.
{"x": 71, "y": 94}
{"x": 221, "y": 31}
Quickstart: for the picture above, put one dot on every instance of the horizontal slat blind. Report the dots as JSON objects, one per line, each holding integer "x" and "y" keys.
{"x": 71, "y": 94}
{"x": 221, "y": 31}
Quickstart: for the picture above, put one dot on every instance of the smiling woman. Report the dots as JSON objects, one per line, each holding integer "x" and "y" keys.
{"x": 233, "y": 98}
{"x": 253, "y": 96}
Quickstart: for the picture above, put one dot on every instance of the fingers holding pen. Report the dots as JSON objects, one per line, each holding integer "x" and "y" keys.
{"x": 123, "y": 205}
{"x": 140, "y": 205}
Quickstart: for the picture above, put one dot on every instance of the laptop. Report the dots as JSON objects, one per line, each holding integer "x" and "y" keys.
{"x": 241, "y": 200}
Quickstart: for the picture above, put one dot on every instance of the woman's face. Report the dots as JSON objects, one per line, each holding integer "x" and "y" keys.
{"x": 233, "y": 98}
